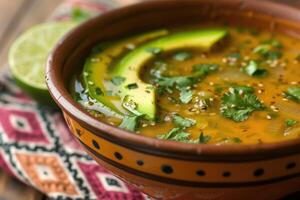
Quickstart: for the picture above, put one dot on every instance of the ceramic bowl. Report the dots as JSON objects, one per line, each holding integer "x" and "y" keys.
{"x": 165, "y": 169}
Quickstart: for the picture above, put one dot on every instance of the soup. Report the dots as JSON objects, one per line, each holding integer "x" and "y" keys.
{"x": 199, "y": 85}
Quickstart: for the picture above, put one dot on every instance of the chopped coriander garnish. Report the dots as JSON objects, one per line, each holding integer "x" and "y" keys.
{"x": 118, "y": 80}
{"x": 180, "y": 82}
{"x": 183, "y": 122}
{"x": 182, "y": 56}
{"x": 273, "y": 42}
{"x": 98, "y": 91}
{"x": 290, "y": 122}
{"x": 243, "y": 88}
{"x": 238, "y": 105}
{"x": 166, "y": 84}
{"x": 204, "y": 139}
{"x": 274, "y": 55}
{"x": 253, "y": 69}
{"x": 205, "y": 69}
{"x": 158, "y": 69}
{"x": 132, "y": 86}
{"x": 269, "y": 49}
{"x": 176, "y": 134}
{"x": 130, "y": 123}
{"x": 218, "y": 89}
{"x": 236, "y": 140}
{"x": 154, "y": 50}
{"x": 262, "y": 49}
{"x": 293, "y": 93}
{"x": 186, "y": 96}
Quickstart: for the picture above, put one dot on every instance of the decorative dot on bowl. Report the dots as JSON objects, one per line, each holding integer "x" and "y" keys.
{"x": 167, "y": 169}
{"x": 118, "y": 156}
{"x": 78, "y": 132}
{"x": 140, "y": 162}
{"x": 95, "y": 144}
{"x": 259, "y": 172}
{"x": 200, "y": 173}
{"x": 226, "y": 174}
{"x": 291, "y": 165}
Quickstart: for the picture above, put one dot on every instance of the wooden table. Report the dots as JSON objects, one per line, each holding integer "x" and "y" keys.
{"x": 15, "y": 17}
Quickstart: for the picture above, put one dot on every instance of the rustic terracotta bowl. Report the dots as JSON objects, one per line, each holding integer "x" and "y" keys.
{"x": 165, "y": 169}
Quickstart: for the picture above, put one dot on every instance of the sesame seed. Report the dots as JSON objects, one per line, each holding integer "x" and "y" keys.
{"x": 95, "y": 60}
{"x": 167, "y": 118}
{"x": 293, "y": 83}
{"x": 85, "y": 74}
{"x": 130, "y": 46}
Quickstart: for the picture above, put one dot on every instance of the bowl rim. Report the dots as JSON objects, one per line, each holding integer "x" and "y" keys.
{"x": 153, "y": 145}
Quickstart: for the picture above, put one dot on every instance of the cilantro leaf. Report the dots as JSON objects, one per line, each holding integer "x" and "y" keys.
{"x": 204, "y": 139}
{"x": 176, "y": 134}
{"x": 253, "y": 69}
{"x": 290, "y": 122}
{"x": 273, "y": 42}
{"x": 238, "y": 105}
{"x": 167, "y": 84}
{"x": 273, "y": 55}
{"x": 243, "y": 88}
{"x": 262, "y": 49}
{"x": 181, "y": 82}
{"x": 183, "y": 122}
{"x": 293, "y": 93}
{"x": 182, "y": 56}
{"x": 132, "y": 86}
{"x": 269, "y": 49}
{"x": 186, "y": 96}
{"x": 98, "y": 91}
{"x": 130, "y": 123}
{"x": 159, "y": 68}
{"x": 118, "y": 80}
{"x": 205, "y": 69}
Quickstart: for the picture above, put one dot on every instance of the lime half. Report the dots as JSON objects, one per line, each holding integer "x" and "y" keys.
{"x": 28, "y": 57}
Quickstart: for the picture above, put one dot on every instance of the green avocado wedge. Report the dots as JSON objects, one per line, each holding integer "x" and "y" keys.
{"x": 95, "y": 69}
{"x": 139, "y": 97}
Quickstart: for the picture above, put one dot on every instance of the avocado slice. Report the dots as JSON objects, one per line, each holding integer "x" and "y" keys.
{"x": 96, "y": 66}
{"x": 139, "y": 97}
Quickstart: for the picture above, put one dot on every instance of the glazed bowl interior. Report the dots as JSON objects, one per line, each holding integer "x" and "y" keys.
{"x": 69, "y": 55}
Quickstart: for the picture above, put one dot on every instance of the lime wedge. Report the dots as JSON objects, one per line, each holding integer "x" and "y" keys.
{"x": 28, "y": 57}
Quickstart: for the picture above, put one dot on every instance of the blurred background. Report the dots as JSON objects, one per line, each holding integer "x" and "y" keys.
{"x": 15, "y": 17}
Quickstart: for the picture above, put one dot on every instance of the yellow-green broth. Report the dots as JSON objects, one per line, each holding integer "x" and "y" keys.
{"x": 278, "y": 121}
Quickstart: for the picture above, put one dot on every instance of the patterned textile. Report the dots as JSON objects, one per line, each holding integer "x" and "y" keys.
{"x": 37, "y": 148}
